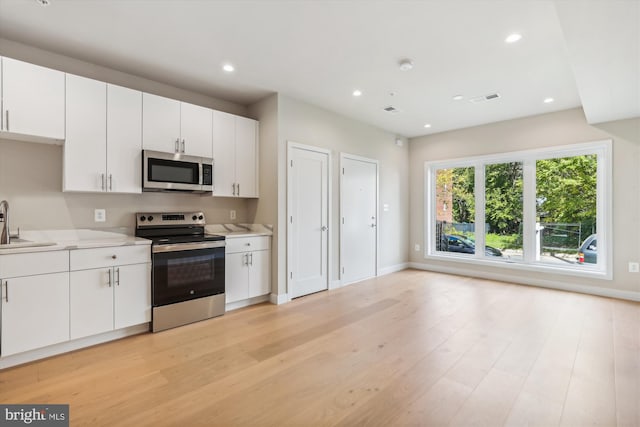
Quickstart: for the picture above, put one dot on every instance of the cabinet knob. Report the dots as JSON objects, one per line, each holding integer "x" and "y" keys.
{"x": 114, "y": 256}
{"x": 247, "y": 244}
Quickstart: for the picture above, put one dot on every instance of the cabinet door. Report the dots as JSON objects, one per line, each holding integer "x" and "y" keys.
{"x": 224, "y": 154}
{"x": 236, "y": 277}
{"x": 85, "y": 152}
{"x": 91, "y": 302}
{"x": 132, "y": 297}
{"x": 259, "y": 273}
{"x": 196, "y": 137}
{"x": 160, "y": 123}
{"x": 33, "y": 97}
{"x": 35, "y": 312}
{"x": 124, "y": 140}
{"x": 246, "y": 157}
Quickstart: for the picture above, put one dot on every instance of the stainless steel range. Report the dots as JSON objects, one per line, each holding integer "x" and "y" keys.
{"x": 188, "y": 268}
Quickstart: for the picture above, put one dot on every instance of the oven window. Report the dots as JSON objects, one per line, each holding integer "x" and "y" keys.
{"x": 161, "y": 170}
{"x": 185, "y": 275}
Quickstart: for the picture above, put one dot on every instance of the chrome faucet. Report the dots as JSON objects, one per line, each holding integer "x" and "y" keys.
{"x": 5, "y": 234}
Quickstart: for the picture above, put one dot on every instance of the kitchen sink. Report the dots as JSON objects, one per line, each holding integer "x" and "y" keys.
{"x": 22, "y": 243}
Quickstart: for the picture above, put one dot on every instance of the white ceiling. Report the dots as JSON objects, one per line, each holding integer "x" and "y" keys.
{"x": 320, "y": 51}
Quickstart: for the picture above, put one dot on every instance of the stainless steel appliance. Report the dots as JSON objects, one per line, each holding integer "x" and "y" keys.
{"x": 188, "y": 280}
{"x": 176, "y": 172}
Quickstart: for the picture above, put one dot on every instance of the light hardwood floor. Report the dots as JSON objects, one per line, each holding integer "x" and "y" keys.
{"x": 410, "y": 348}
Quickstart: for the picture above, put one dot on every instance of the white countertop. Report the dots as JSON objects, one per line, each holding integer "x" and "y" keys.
{"x": 240, "y": 230}
{"x": 58, "y": 240}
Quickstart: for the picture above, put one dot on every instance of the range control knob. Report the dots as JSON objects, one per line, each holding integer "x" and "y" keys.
{"x": 201, "y": 217}
{"x": 194, "y": 217}
{"x": 150, "y": 218}
{"x": 143, "y": 218}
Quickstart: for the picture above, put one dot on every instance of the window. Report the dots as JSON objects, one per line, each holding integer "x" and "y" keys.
{"x": 544, "y": 209}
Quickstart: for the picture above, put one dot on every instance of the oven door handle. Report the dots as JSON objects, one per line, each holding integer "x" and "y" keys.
{"x": 179, "y": 247}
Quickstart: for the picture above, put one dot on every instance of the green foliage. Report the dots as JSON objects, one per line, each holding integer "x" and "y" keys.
{"x": 464, "y": 204}
{"x": 503, "y": 197}
{"x": 566, "y": 190}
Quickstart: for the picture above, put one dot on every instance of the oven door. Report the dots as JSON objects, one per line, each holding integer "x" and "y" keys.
{"x": 187, "y": 271}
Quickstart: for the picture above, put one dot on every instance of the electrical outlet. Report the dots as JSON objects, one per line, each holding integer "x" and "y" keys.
{"x": 416, "y": 247}
{"x": 100, "y": 215}
{"x": 634, "y": 267}
{"x": 232, "y": 214}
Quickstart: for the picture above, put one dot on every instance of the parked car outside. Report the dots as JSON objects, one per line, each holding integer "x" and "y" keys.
{"x": 588, "y": 252}
{"x": 462, "y": 244}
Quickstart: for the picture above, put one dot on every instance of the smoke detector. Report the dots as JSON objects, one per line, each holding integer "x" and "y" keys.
{"x": 405, "y": 65}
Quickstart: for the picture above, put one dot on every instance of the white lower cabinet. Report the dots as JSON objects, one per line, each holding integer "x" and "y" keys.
{"x": 111, "y": 296}
{"x": 35, "y": 308}
{"x": 247, "y": 267}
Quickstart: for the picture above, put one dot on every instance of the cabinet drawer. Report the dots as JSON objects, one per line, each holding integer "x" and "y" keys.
{"x": 247, "y": 244}
{"x": 83, "y": 259}
{"x": 31, "y": 264}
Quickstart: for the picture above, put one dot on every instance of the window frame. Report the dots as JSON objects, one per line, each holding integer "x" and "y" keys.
{"x": 604, "y": 202}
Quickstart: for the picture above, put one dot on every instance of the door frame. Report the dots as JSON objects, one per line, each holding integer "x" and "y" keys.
{"x": 291, "y": 145}
{"x": 347, "y": 156}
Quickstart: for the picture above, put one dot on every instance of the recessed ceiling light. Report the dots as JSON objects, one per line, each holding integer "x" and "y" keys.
{"x": 548, "y": 100}
{"x": 512, "y": 38}
{"x": 427, "y": 126}
{"x": 458, "y": 98}
{"x": 44, "y": 2}
{"x": 357, "y": 92}
{"x": 405, "y": 64}
{"x": 228, "y": 68}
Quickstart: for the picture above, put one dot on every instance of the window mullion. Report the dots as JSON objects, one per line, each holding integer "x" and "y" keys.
{"x": 479, "y": 196}
{"x": 529, "y": 214}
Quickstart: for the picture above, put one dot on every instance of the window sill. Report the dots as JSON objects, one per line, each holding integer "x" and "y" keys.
{"x": 581, "y": 271}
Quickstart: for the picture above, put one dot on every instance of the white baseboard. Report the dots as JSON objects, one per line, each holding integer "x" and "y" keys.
{"x": 279, "y": 298}
{"x": 543, "y": 283}
{"x": 65, "y": 347}
{"x": 393, "y": 268}
{"x": 246, "y": 302}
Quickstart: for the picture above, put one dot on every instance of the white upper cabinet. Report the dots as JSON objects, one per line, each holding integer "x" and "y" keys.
{"x": 196, "y": 130}
{"x": 172, "y": 126}
{"x": 235, "y": 154}
{"x": 102, "y": 151}
{"x": 32, "y": 100}
{"x": 246, "y": 157}
{"x": 160, "y": 123}
{"x": 124, "y": 139}
{"x": 85, "y": 149}
{"x": 224, "y": 154}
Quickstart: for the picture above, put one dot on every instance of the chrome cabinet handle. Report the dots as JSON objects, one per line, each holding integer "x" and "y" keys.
{"x": 102, "y": 180}
{"x": 6, "y": 290}
{"x": 6, "y": 122}
{"x": 238, "y": 189}
{"x": 251, "y": 256}
{"x": 118, "y": 276}
{"x": 246, "y": 259}
{"x": 177, "y": 149}
{"x": 183, "y": 145}
{"x": 109, "y": 273}
{"x": 234, "y": 188}
{"x": 110, "y": 182}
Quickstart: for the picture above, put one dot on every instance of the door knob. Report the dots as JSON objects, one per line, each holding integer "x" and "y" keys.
{"x": 324, "y": 228}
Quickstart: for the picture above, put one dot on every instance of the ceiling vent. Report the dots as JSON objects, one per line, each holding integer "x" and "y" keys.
{"x": 484, "y": 98}
{"x": 391, "y": 109}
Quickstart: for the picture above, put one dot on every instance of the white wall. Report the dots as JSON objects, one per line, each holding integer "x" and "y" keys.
{"x": 307, "y": 124}
{"x": 545, "y": 130}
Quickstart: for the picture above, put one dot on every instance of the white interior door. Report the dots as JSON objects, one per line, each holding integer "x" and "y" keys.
{"x": 308, "y": 209}
{"x": 359, "y": 218}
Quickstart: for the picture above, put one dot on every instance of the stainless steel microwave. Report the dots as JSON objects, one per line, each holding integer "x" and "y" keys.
{"x": 176, "y": 172}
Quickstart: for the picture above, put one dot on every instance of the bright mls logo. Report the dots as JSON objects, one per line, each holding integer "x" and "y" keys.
{"x": 39, "y": 415}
